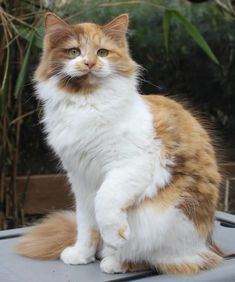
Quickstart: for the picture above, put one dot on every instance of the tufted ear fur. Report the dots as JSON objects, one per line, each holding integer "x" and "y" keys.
{"x": 53, "y": 22}
{"x": 117, "y": 28}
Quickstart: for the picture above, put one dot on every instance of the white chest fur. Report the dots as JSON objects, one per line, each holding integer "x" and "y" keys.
{"x": 95, "y": 133}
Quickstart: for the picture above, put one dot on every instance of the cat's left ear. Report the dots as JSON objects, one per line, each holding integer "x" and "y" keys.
{"x": 117, "y": 28}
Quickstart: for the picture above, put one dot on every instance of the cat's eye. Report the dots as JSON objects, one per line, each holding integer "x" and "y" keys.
{"x": 102, "y": 52}
{"x": 74, "y": 52}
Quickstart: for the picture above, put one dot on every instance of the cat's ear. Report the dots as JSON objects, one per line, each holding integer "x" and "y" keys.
{"x": 53, "y": 22}
{"x": 117, "y": 28}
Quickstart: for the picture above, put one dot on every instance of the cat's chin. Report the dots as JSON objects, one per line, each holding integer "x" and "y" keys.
{"x": 85, "y": 84}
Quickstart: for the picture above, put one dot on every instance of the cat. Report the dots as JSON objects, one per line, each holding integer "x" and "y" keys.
{"x": 142, "y": 168}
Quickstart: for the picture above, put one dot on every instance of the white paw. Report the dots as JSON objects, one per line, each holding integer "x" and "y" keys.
{"x": 116, "y": 235}
{"x": 73, "y": 255}
{"x": 111, "y": 265}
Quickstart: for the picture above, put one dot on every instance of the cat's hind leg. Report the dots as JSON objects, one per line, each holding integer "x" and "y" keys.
{"x": 168, "y": 241}
{"x": 189, "y": 264}
{"x": 184, "y": 250}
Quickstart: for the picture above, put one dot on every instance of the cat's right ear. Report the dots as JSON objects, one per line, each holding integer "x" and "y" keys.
{"x": 53, "y": 22}
{"x": 117, "y": 28}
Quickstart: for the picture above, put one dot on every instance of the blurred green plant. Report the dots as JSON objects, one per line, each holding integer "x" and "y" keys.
{"x": 19, "y": 21}
{"x": 190, "y": 29}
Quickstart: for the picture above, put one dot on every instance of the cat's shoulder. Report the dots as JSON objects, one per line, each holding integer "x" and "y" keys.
{"x": 157, "y": 101}
{"x": 166, "y": 108}
{"x": 174, "y": 117}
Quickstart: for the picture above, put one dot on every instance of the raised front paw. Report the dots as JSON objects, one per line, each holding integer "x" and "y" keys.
{"x": 75, "y": 255}
{"x": 116, "y": 234}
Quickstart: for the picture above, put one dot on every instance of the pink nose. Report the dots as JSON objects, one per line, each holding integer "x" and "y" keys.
{"x": 90, "y": 64}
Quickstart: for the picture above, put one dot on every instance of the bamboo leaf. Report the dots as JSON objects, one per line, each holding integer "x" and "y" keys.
{"x": 25, "y": 33}
{"x": 166, "y": 28}
{"x": 196, "y": 35}
{"x": 3, "y": 89}
{"x": 20, "y": 82}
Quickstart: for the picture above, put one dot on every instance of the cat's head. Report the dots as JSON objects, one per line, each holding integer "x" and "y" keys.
{"x": 82, "y": 56}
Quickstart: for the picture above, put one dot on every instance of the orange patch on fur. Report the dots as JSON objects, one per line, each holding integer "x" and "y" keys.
{"x": 121, "y": 231}
{"x": 95, "y": 236}
{"x": 129, "y": 204}
{"x": 195, "y": 174}
{"x": 135, "y": 267}
{"x": 209, "y": 261}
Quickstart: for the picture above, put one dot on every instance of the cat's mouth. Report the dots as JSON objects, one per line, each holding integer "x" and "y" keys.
{"x": 80, "y": 80}
{"x": 85, "y": 73}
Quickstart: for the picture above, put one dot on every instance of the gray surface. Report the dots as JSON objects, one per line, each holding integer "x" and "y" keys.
{"x": 226, "y": 216}
{"x": 21, "y": 269}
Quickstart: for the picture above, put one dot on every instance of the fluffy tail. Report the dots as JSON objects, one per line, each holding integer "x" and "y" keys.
{"x": 47, "y": 239}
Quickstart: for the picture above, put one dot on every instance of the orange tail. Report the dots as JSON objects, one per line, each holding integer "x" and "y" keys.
{"x": 47, "y": 239}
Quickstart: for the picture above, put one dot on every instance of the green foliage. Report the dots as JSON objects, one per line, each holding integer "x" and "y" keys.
{"x": 26, "y": 33}
{"x": 190, "y": 29}
{"x": 19, "y": 36}
{"x": 21, "y": 79}
{"x": 3, "y": 89}
{"x": 166, "y": 27}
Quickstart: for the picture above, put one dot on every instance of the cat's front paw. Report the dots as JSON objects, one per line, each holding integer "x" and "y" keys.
{"x": 115, "y": 235}
{"x": 74, "y": 255}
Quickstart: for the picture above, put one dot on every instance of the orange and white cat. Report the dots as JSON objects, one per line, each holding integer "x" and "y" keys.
{"x": 142, "y": 168}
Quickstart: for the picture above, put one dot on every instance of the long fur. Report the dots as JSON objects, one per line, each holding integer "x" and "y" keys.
{"x": 47, "y": 239}
{"x": 142, "y": 168}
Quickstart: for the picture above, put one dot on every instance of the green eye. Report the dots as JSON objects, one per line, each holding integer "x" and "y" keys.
{"x": 102, "y": 53}
{"x": 73, "y": 53}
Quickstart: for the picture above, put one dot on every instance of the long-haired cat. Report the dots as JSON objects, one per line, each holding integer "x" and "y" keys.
{"x": 142, "y": 168}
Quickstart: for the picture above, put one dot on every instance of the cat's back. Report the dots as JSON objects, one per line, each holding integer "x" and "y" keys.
{"x": 173, "y": 116}
{"x": 177, "y": 126}
{"x": 184, "y": 139}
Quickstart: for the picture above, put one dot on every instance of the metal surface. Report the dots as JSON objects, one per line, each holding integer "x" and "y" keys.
{"x": 21, "y": 269}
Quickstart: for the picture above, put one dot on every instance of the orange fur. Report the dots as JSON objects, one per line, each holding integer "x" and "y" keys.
{"x": 196, "y": 178}
{"x": 95, "y": 237}
{"x": 48, "y": 239}
{"x": 210, "y": 260}
{"x": 135, "y": 267}
{"x": 122, "y": 231}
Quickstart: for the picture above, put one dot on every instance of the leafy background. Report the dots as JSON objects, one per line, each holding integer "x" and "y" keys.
{"x": 186, "y": 50}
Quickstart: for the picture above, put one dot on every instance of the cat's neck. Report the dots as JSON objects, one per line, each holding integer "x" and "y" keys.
{"x": 111, "y": 91}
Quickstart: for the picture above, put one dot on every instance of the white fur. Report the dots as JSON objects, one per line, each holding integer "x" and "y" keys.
{"x": 106, "y": 142}
{"x": 111, "y": 264}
